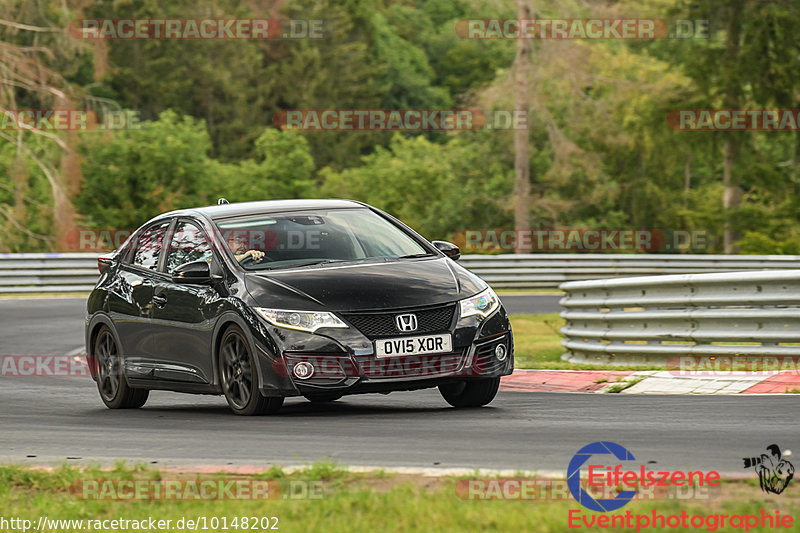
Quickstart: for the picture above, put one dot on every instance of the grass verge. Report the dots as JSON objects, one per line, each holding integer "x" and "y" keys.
{"x": 347, "y": 502}
{"x": 616, "y": 388}
{"x": 537, "y": 344}
{"x": 43, "y": 295}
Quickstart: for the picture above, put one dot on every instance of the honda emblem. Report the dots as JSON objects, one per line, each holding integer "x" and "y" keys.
{"x": 406, "y": 322}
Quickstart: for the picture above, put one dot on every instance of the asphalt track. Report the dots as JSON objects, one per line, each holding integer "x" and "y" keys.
{"x": 52, "y": 420}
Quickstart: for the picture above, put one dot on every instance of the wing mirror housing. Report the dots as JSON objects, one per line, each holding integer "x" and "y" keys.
{"x": 105, "y": 261}
{"x": 448, "y": 248}
{"x": 194, "y": 273}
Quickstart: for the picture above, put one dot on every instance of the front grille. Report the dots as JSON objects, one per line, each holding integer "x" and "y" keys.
{"x": 380, "y": 325}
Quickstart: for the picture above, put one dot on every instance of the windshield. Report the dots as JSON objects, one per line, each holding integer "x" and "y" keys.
{"x": 305, "y": 238}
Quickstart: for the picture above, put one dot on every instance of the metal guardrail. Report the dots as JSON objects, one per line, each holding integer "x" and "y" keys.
{"x": 47, "y": 272}
{"x": 77, "y": 272}
{"x": 528, "y": 271}
{"x": 648, "y": 320}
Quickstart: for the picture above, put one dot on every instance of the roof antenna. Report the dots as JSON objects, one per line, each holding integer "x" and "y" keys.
{"x": 222, "y": 201}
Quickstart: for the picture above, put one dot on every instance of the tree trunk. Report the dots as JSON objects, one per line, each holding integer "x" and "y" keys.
{"x": 70, "y": 178}
{"x": 731, "y": 195}
{"x": 522, "y": 181}
{"x": 731, "y": 198}
{"x": 687, "y": 180}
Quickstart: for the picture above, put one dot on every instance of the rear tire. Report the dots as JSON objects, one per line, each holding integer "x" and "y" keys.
{"x": 470, "y": 393}
{"x": 106, "y": 366}
{"x": 239, "y": 378}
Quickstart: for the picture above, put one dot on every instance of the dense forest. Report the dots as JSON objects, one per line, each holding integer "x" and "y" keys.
{"x": 196, "y": 119}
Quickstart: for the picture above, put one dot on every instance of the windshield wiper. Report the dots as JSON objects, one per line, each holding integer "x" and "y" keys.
{"x": 414, "y": 256}
{"x": 310, "y": 263}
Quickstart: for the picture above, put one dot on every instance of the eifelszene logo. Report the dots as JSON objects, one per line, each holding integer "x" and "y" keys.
{"x": 613, "y": 478}
{"x": 574, "y": 476}
{"x": 774, "y": 472}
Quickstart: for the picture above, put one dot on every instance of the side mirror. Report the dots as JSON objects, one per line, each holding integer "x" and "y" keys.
{"x": 105, "y": 261}
{"x": 194, "y": 273}
{"x": 448, "y": 248}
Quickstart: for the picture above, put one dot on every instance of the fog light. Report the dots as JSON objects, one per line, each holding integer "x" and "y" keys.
{"x": 500, "y": 352}
{"x": 303, "y": 370}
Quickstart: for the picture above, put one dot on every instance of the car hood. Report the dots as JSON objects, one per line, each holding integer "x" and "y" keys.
{"x": 357, "y": 287}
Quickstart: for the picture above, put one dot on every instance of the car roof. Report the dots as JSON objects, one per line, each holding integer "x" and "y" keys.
{"x": 216, "y": 212}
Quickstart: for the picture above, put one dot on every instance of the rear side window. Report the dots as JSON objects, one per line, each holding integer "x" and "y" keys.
{"x": 149, "y": 245}
{"x": 188, "y": 244}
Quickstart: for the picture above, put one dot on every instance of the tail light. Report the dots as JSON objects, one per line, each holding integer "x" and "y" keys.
{"x": 103, "y": 262}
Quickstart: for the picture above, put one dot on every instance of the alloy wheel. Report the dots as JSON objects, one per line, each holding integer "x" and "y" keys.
{"x": 237, "y": 373}
{"x": 108, "y": 367}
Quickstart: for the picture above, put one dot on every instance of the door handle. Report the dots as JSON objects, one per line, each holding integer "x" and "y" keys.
{"x": 160, "y": 301}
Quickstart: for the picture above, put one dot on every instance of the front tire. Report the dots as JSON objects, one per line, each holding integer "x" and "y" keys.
{"x": 239, "y": 378}
{"x": 106, "y": 366}
{"x": 470, "y": 393}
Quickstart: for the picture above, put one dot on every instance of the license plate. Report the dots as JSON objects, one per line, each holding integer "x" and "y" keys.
{"x": 422, "y": 345}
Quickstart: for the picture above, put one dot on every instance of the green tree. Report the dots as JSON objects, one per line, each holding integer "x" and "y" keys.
{"x": 133, "y": 175}
{"x": 438, "y": 189}
{"x": 26, "y": 203}
{"x": 752, "y": 59}
{"x": 282, "y": 169}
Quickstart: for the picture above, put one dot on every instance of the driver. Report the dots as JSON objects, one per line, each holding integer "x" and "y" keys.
{"x": 238, "y": 245}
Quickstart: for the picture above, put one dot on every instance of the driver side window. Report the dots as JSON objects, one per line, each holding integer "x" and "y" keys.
{"x": 189, "y": 243}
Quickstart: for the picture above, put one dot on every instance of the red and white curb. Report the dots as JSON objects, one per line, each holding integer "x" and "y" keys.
{"x": 651, "y": 382}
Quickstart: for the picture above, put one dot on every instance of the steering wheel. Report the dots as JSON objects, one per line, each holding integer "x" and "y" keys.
{"x": 249, "y": 259}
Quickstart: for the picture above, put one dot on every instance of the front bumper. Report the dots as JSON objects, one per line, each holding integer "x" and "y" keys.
{"x": 344, "y": 360}
{"x": 353, "y": 375}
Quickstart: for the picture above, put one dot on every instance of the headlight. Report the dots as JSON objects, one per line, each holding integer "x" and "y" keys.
{"x": 483, "y": 304}
{"x": 300, "y": 320}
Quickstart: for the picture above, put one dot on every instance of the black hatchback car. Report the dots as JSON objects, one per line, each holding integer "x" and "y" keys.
{"x": 264, "y": 300}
